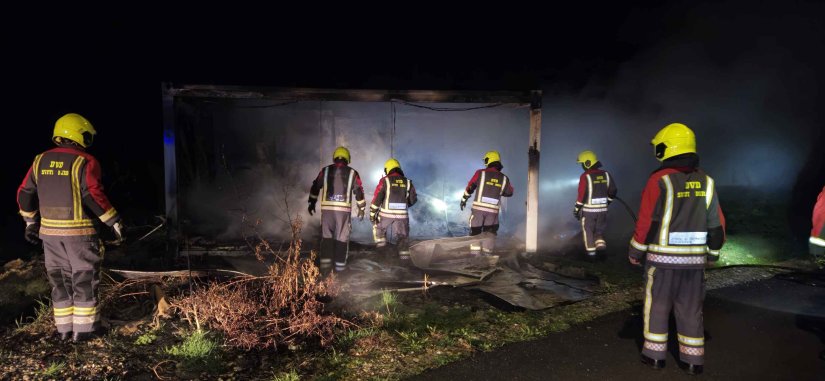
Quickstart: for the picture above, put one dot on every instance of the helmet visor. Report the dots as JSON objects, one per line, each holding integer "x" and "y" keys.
{"x": 659, "y": 150}
{"x": 88, "y": 138}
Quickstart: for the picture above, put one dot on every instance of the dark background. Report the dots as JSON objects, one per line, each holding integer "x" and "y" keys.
{"x": 110, "y": 69}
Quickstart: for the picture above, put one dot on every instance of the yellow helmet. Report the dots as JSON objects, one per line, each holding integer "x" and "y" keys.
{"x": 341, "y": 153}
{"x": 75, "y": 128}
{"x": 390, "y": 165}
{"x": 674, "y": 139}
{"x": 587, "y": 159}
{"x": 491, "y": 157}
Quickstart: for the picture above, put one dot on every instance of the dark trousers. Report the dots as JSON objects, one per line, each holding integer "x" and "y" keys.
{"x": 593, "y": 227}
{"x": 483, "y": 221}
{"x": 680, "y": 291}
{"x": 335, "y": 230}
{"x": 400, "y": 230}
{"x": 72, "y": 269}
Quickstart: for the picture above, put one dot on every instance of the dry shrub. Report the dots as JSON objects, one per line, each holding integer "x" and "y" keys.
{"x": 284, "y": 307}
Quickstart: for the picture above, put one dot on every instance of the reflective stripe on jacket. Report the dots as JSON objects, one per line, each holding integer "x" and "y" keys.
{"x": 393, "y": 195}
{"x": 335, "y": 185}
{"x": 680, "y": 220}
{"x": 596, "y": 190}
{"x": 490, "y": 186}
{"x": 63, "y": 191}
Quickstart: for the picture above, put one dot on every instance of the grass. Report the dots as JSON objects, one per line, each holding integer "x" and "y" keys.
{"x": 348, "y": 338}
{"x": 411, "y": 334}
{"x": 42, "y": 316}
{"x": 403, "y": 334}
{"x": 198, "y": 351}
{"x": 53, "y": 369}
{"x": 389, "y": 300}
{"x": 290, "y": 376}
{"x": 412, "y": 341}
{"x": 421, "y": 333}
{"x": 146, "y": 338}
{"x": 751, "y": 249}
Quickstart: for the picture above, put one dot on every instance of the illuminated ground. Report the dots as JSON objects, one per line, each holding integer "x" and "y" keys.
{"x": 744, "y": 341}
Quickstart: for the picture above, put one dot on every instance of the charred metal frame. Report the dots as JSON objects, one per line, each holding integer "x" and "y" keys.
{"x": 171, "y": 92}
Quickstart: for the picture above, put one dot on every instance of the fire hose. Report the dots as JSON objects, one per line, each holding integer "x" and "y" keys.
{"x": 627, "y": 207}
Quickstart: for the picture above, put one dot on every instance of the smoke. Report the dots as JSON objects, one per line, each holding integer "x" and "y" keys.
{"x": 745, "y": 82}
{"x": 264, "y": 159}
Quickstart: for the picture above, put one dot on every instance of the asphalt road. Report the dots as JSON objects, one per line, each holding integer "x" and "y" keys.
{"x": 767, "y": 330}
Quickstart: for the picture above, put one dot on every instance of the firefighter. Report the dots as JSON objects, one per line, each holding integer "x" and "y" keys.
{"x": 58, "y": 198}
{"x": 394, "y": 194}
{"x": 817, "y": 240}
{"x": 680, "y": 229}
{"x": 596, "y": 191}
{"x": 490, "y": 186}
{"x": 336, "y": 184}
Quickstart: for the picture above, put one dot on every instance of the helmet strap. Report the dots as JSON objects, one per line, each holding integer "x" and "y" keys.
{"x": 64, "y": 142}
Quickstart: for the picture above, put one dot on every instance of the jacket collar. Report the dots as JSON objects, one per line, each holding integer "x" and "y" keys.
{"x": 687, "y": 162}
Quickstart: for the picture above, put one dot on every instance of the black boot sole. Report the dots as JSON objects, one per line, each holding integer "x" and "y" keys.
{"x": 654, "y": 364}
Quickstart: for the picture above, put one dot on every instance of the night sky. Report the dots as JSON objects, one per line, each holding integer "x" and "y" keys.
{"x": 110, "y": 70}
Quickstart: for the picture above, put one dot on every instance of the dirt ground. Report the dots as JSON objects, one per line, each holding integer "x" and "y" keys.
{"x": 405, "y": 333}
{"x": 394, "y": 335}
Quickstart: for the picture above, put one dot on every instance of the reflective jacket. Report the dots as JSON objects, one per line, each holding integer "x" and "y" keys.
{"x": 62, "y": 190}
{"x": 393, "y": 195}
{"x": 818, "y": 230}
{"x": 336, "y": 184}
{"x": 596, "y": 190}
{"x": 680, "y": 221}
{"x": 490, "y": 186}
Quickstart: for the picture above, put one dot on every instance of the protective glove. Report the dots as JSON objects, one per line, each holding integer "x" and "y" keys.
{"x": 118, "y": 229}
{"x": 311, "y": 208}
{"x": 463, "y": 203}
{"x": 361, "y": 214}
{"x": 635, "y": 256}
{"x": 577, "y": 212}
{"x": 374, "y": 217}
{"x": 32, "y": 234}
